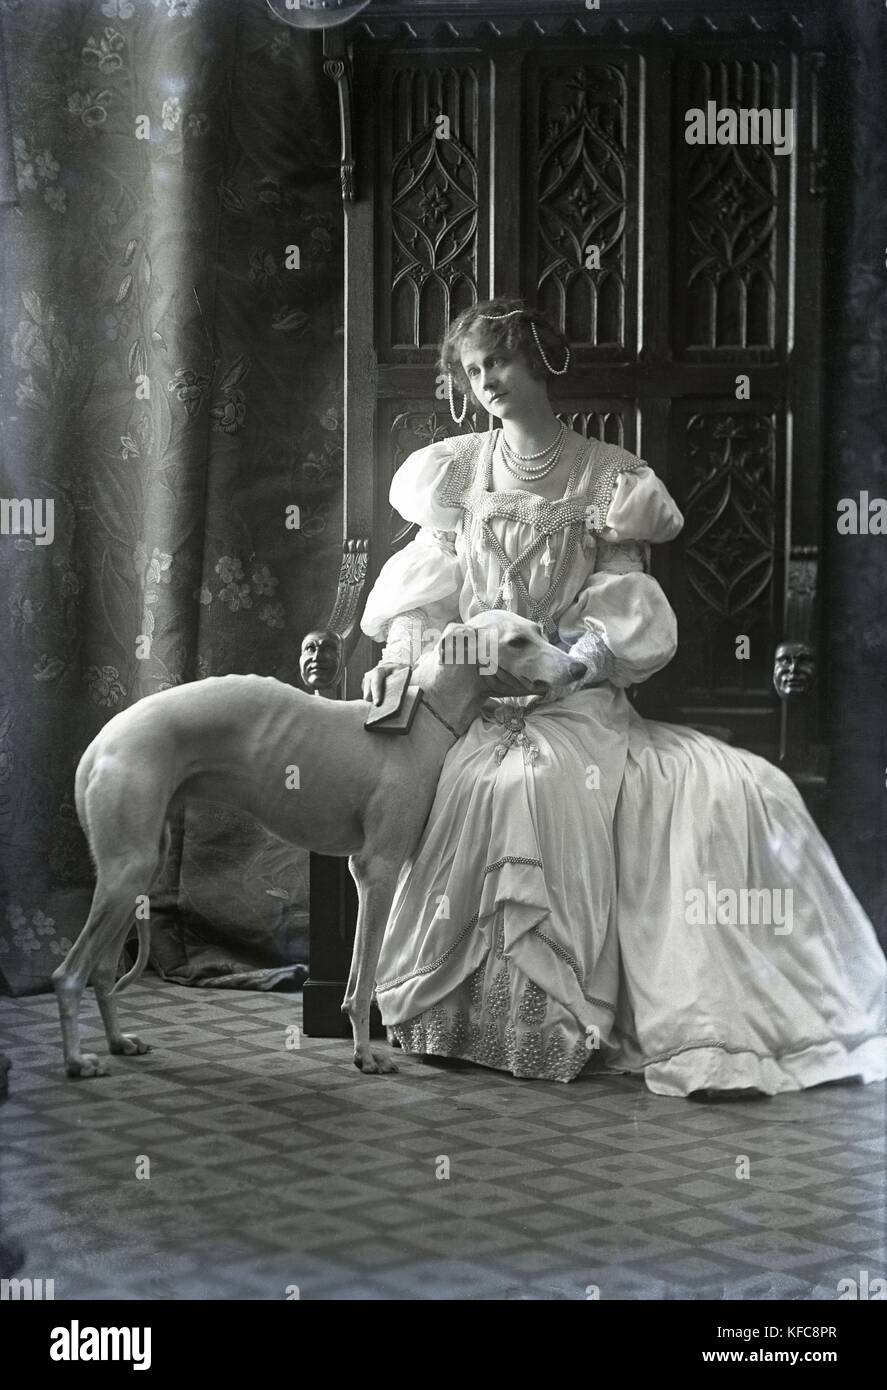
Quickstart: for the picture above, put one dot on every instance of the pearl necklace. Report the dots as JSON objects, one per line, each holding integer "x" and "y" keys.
{"x": 528, "y": 458}
{"x": 516, "y": 463}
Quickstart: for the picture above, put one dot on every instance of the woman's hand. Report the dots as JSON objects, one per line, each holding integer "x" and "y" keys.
{"x": 373, "y": 688}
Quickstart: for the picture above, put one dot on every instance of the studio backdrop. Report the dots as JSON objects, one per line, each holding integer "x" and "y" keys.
{"x": 173, "y": 386}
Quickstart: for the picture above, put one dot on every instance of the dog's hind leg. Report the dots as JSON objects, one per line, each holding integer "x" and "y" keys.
{"x": 120, "y": 825}
{"x": 104, "y": 977}
{"x": 96, "y": 953}
{"x": 71, "y": 977}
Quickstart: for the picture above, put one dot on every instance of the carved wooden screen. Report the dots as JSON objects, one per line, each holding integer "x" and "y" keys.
{"x": 566, "y": 131}
{"x": 431, "y": 251}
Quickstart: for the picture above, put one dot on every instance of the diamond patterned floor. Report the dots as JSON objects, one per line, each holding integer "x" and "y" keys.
{"x": 272, "y": 1168}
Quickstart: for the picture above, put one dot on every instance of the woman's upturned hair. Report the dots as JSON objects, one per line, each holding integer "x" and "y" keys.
{"x": 513, "y": 334}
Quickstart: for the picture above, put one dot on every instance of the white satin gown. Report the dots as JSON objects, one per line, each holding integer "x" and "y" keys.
{"x": 581, "y": 868}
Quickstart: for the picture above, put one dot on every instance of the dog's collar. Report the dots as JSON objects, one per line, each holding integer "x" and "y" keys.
{"x": 426, "y": 704}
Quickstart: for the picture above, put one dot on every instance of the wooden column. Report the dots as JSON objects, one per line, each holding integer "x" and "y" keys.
{"x": 332, "y": 910}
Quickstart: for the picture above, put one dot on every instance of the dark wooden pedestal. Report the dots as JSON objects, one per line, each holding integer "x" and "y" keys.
{"x": 332, "y": 903}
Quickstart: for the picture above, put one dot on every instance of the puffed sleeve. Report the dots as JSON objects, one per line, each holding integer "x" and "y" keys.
{"x": 425, "y": 577}
{"x": 418, "y": 486}
{"x": 641, "y": 509}
{"x": 621, "y": 624}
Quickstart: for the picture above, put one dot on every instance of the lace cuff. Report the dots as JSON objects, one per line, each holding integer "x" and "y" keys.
{"x": 403, "y": 641}
{"x": 593, "y": 650}
{"x": 623, "y": 557}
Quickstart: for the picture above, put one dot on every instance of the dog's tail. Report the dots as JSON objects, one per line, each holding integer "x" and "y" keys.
{"x": 143, "y": 930}
{"x": 143, "y": 926}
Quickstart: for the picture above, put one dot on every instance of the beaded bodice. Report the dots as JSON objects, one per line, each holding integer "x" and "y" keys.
{"x": 556, "y": 526}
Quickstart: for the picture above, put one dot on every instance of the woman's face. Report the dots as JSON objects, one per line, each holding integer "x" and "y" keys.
{"x": 501, "y": 380}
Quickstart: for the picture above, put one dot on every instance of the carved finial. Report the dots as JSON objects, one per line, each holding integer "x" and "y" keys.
{"x": 339, "y": 70}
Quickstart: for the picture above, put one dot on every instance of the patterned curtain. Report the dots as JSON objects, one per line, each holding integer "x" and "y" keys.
{"x": 8, "y": 189}
{"x": 172, "y": 387}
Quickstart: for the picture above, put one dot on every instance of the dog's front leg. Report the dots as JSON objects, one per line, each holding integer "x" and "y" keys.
{"x": 69, "y": 992}
{"x": 376, "y": 881}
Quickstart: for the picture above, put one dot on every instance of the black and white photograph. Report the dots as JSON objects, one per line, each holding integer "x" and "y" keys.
{"x": 443, "y": 666}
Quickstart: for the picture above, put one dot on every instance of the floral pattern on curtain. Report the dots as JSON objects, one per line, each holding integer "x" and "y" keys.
{"x": 173, "y": 386}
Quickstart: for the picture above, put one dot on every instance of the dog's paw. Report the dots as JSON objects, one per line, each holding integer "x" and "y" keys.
{"x": 128, "y": 1045}
{"x": 373, "y": 1062}
{"x": 88, "y": 1064}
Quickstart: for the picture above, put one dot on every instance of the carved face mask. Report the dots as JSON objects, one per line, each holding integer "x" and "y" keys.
{"x": 794, "y": 669}
{"x": 321, "y": 658}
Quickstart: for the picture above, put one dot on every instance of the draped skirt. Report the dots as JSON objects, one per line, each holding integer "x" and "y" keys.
{"x": 596, "y": 890}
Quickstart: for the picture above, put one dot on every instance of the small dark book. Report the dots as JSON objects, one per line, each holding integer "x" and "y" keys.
{"x": 397, "y": 711}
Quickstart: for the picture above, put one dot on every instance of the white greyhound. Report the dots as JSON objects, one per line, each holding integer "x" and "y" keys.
{"x": 236, "y": 740}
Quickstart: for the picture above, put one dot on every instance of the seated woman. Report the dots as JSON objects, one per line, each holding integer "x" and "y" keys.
{"x": 566, "y": 903}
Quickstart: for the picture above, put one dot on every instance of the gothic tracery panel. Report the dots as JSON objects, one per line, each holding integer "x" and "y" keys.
{"x": 435, "y": 170}
{"x": 582, "y": 192}
{"x": 730, "y": 513}
{"x": 729, "y": 224}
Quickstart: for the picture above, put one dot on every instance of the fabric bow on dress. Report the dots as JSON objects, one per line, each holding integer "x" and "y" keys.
{"x": 514, "y": 718}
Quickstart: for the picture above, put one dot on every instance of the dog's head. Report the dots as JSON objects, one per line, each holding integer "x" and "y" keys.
{"x": 510, "y": 652}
